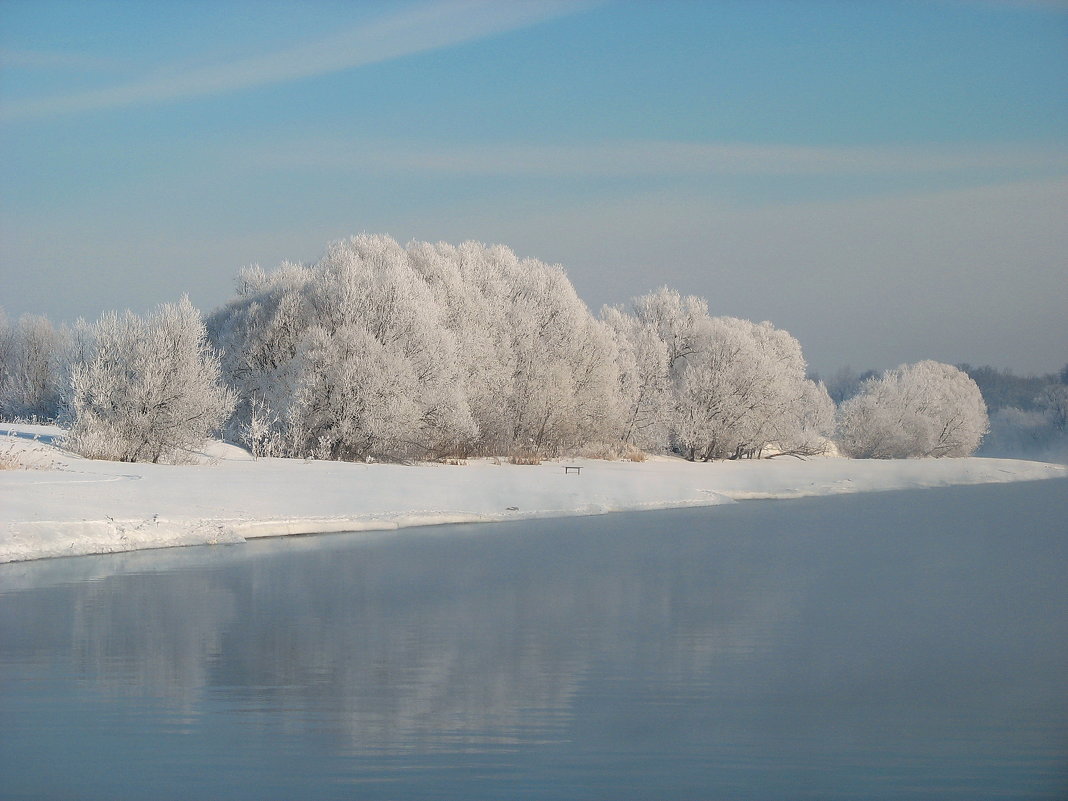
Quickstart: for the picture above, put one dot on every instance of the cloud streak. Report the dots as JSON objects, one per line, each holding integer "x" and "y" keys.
{"x": 417, "y": 29}
{"x": 52, "y": 60}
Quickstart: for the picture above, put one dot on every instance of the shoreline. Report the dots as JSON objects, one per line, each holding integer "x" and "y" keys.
{"x": 69, "y": 506}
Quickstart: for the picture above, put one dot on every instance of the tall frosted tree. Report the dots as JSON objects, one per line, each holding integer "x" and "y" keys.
{"x": 146, "y": 389}
{"x": 463, "y": 280}
{"x": 366, "y": 288}
{"x": 743, "y": 392}
{"x": 416, "y": 352}
{"x": 644, "y": 380}
{"x": 33, "y": 356}
{"x": 922, "y": 409}
{"x": 715, "y": 387}
{"x": 346, "y": 358}
{"x": 259, "y": 336}
{"x": 541, "y": 372}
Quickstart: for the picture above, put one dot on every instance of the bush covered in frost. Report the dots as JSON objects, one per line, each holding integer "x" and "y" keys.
{"x": 922, "y": 409}
{"x": 146, "y": 389}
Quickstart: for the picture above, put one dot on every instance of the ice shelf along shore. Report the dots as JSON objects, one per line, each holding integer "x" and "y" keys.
{"x": 64, "y": 505}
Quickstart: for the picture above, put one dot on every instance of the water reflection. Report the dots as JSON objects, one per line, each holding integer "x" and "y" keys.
{"x": 680, "y": 648}
{"x": 420, "y": 642}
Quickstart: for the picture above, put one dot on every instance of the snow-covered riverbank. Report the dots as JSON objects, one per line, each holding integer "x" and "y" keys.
{"x": 68, "y": 506}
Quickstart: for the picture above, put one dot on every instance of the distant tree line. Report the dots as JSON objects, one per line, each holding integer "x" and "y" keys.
{"x": 429, "y": 351}
{"x": 1028, "y": 415}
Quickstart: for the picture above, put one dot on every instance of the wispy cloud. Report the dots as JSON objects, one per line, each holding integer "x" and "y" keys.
{"x": 652, "y": 158}
{"x": 416, "y": 29}
{"x": 53, "y": 60}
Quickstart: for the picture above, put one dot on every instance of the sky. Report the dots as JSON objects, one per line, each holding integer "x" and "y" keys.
{"x": 887, "y": 180}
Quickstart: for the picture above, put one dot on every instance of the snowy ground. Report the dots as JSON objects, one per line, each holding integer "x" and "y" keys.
{"x": 65, "y": 505}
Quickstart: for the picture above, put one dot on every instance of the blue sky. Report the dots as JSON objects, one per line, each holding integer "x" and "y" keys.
{"x": 886, "y": 180}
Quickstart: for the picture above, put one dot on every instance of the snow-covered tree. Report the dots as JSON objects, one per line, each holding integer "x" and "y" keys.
{"x": 810, "y": 426}
{"x": 32, "y": 372}
{"x": 146, "y": 389}
{"x": 355, "y": 397}
{"x": 466, "y": 282}
{"x": 655, "y": 336}
{"x": 541, "y": 372}
{"x": 258, "y": 336}
{"x": 715, "y": 387}
{"x": 644, "y": 379}
{"x": 368, "y": 283}
{"x": 412, "y": 352}
{"x": 743, "y": 392}
{"x": 564, "y": 373}
{"x": 346, "y": 358}
{"x": 922, "y": 409}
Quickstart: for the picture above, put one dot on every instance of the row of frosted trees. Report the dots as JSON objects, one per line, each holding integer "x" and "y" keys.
{"x": 432, "y": 351}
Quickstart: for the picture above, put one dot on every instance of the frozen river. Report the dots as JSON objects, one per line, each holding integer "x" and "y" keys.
{"x": 889, "y": 645}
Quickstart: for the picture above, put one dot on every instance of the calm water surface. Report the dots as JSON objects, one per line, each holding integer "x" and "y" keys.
{"x": 897, "y": 645}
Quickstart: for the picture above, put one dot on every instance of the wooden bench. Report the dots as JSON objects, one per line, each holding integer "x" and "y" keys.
{"x": 578, "y": 470}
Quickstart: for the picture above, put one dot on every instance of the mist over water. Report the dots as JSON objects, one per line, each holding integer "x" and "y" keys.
{"x": 889, "y": 645}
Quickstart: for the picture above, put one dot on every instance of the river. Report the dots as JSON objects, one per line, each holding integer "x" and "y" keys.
{"x": 899, "y": 645}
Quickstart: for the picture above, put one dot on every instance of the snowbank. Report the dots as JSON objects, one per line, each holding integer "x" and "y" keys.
{"x": 67, "y": 506}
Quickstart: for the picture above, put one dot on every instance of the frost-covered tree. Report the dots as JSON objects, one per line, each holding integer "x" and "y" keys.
{"x": 564, "y": 373}
{"x": 716, "y": 387}
{"x": 922, "y": 409}
{"x": 743, "y": 393}
{"x": 365, "y": 288}
{"x": 540, "y": 371}
{"x": 680, "y": 322}
{"x": 644, "y": 379}
{"x": 807, "y": 425}
{"x": 146, "y": 389}
{"x": 355, "y": 397}
{"x": 32, "y": 368}
{"x": 7, "y": 356}
{"x": 467, "y": 282}
{"x": 258, "y": 335}
{"x": 346, "y": 358}
{"x": 415, "y": 352}
{"x": 656, "y": 335}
